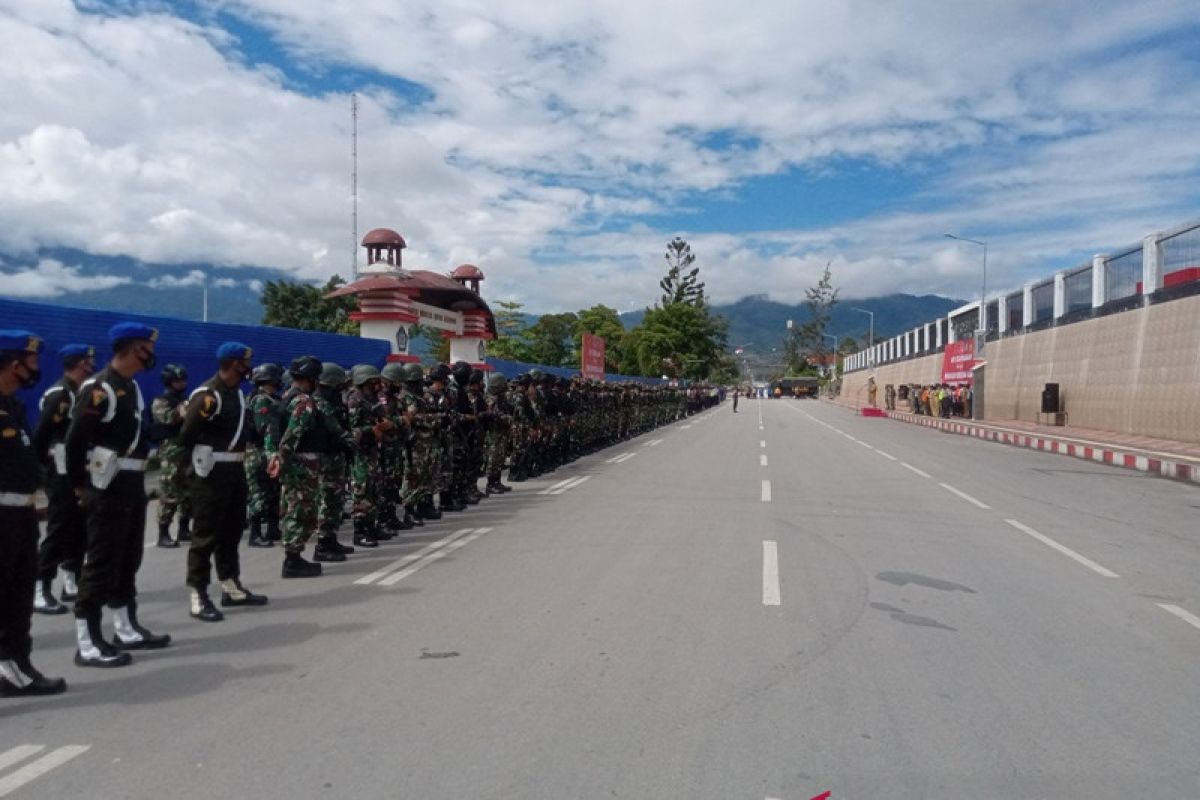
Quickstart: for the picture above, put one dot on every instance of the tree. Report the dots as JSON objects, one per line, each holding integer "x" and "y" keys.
{"x": 808, "y": 340}
{"x": 605, "y": 322}
{"x": 512, "y": 340}
{"x": 287, "y": 304}
{"x": 680, "y": 341}
{"x": 439, "y": 345}
{"x": 681, "y": 285}
{"x": 550, "y": 339}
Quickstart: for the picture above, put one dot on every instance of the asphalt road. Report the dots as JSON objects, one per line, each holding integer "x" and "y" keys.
{"x": 775, "y": 604}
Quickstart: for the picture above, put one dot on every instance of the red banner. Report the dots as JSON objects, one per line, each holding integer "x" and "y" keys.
{"x": 957, "y": 362}
{"x": 592, "y": 358}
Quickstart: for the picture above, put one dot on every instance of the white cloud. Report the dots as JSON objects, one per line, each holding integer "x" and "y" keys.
{"x": 1048, "y": 129}
{"x": 193, "y": 278}
{"x": 52, "y": 278}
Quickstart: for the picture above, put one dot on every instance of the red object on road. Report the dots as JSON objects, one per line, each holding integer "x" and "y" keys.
{"x": 871, "y": 411}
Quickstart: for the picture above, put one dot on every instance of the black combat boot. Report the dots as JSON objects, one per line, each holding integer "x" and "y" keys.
{"x": 405, "y": 522}
{"x": 164, "y": 535}
{"x": 184, "y": 534}
{"x": 257, "y": 538}
{"x": 202, "y": 607}
{"x": 327, "y": 549}
{"x": 93, "y": 650}
{"x": 273, "y": 532}
{"x": 411, "y": 512}
{"x": 428, "y": 509}
{"x": 44, "y": 601}
{"x": 234, "y": 594}
{"x": 472, "y": 496}
{"x": 449, "y": 501}
{"x": 131, "y": 634}
{"x": 294, "y": 566}
{"x": 18, "y": 678}
{"x": 364, "y": 536}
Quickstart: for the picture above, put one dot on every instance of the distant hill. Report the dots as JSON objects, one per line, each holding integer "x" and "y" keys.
{"x": 760, "y": 323}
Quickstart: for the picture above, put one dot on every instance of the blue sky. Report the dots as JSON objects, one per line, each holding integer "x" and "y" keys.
{"x": 560, "y": 146}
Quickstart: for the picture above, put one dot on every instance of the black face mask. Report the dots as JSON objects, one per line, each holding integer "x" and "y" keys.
{"x": 148, "y": 359}
{"x": 32, "y": 376}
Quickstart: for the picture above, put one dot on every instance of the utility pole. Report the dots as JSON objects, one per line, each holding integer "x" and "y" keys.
{"x": 204, "y": 308}
{"x": 354, "y": 184}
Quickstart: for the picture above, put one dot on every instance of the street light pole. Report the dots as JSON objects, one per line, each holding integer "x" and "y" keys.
{"x": 871, "y": 335}
{"x": 983, "y": 288}
{"x": 833, "y": 359}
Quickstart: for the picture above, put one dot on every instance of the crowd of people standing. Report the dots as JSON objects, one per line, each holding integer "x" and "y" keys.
{"x": 311, "y": 444}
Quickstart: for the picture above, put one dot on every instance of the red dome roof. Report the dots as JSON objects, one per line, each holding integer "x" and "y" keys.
{"x": 466, "y": 272}
{"x": 384, "y": 236}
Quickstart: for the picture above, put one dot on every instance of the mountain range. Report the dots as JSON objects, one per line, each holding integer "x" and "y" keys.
{"x": 71, "y": 277}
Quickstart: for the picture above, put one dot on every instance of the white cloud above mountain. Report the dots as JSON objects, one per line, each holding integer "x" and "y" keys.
{"x": 559, "y": 145}
{"x": 52, "y": 278}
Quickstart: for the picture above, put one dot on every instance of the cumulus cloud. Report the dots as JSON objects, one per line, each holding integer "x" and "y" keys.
{"x": 51, "y": 278}
{"x": 554, "y": 135}
{"x": 193, "y": 278}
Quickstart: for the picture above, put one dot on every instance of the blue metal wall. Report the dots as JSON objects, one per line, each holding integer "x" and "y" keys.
{"x": 511, "y": 369}
{"x": 192, "y": 344}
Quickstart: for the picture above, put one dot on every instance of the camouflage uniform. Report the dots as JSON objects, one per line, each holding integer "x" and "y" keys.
{"x": 366, "y": 476}
{"x": 498, "y": 429}
{"x": 334, "y": 466}
{"x": 299, "y": 475}
{"x": 167, "y": 413}
{"x": 418, "y": 470}
{"x": 263, "y": 497}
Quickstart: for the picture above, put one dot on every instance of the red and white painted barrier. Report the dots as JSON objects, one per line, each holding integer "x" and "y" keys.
{"x": 1179, "y": 469}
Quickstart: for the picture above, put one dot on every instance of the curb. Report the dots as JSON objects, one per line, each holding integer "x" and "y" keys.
{"x": 1166, "y": 467}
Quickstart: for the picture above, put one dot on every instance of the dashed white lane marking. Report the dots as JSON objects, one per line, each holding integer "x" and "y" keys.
{"x": 762, "y": 442}
{"x": 563, "y": 482}
{"x": 392, "y": 580}
{"x": 621, "y": 459}
{"x": 1066, "y": 551}
{"x": 55, "y": 758}
{"x": 410, "y": 558}
{"x": 613, "y": 460}
{"x": 685, "y": 427}
{"x": 652, "y": 443}
{"x": 762, "y": 460}
{"x": 570, "y": 484}
{"x": 864, "y": 444}
{"x": 888, "y": 456}
{"x": 19, "y": 753}
{"x": 1183, "y": 614}
{"x": 770, "y": 587}
{"x": 920, "y": 472}
{"x": 766, "y": 491}
{"x": 965, "y": 496}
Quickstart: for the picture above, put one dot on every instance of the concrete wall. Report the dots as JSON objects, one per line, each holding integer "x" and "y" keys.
{"x": 1137, "y": 372}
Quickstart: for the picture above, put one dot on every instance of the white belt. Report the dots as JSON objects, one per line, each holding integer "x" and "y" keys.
{"x": 226, "y": 457}
{"x": 309, "y": 456}
{"x": 132, "y": 464}
{"x": 14, "y": 500}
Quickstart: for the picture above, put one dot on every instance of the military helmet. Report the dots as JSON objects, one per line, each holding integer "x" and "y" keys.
{"x": 332, "y": 375}
{"x": 439, "y": 373}
{"x": 393, "y": 372}
{"x": 497, "y": 383}
{"x": 172, "y": 373}
{"x": 267, "y": 373}
{"x": 476, "y": 376}
{"x": 461, "y": 371}
{"x": 413, "y": 374}
{"x": 536, "y": 375}
{"x": 523, "y": 380}
{"x": 308, "y": 367}
{"x": 361, "y": 373}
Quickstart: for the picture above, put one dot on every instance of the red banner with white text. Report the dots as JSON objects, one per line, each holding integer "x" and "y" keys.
{"x": 957, "y": 363}
{"x": 592, "y": 357}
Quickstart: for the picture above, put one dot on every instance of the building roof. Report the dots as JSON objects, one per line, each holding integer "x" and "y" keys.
{"x": 384, "y": 236}
{"x": 465, "y": 272}
{"x": 430, "y": 288}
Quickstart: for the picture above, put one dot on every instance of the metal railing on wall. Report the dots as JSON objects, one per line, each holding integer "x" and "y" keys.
{"x": 1164, "y": 267}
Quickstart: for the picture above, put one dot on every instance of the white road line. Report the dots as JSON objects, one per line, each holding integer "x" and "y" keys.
{"x": 965, "y": 496}
{"x": 770, "y": 573}
{"x": 652, "y": 442}
{"x": 762, "y": 442}
{"x": 548, "y": 489}
{"x": 615, "y": 459}
{"x": 1183, "y": 614}
{"x": 908, "y": 466}
{"x": 621, "y": 459}
{"x": 888, "y": 456}
{"x": 392, "y": 580}
{"x": 19, "y": 753}
{"x": 56, "y": 758}
{"x": 411, "y": 557}
{"x": 766, "y": 491}
{"x": 864, "y": 444}
{"x": 762, "y": 460}
{"x": 1066, "y": 551}
{"x": 687, "y": 426}
{"x": 573, "y": 483}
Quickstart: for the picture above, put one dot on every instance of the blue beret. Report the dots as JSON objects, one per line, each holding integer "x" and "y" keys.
{"x": 235, "y": 350}
{"x": 123, "y": 331}
{"x": 76, "y": 352}
{"x": 18, "y": 341}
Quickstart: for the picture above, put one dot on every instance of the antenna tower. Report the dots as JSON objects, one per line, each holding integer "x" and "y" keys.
{"x": 354, "y": 184}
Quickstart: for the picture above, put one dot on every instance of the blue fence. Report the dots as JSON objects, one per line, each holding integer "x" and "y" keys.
{"x": 192, "y": 344}
{"x": 511, "y": 369}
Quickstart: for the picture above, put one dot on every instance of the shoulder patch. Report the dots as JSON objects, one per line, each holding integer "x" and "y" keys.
{"x": 98, "y": 397}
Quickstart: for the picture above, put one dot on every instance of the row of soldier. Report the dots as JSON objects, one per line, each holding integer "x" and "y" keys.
{"x": 397, "y": 446}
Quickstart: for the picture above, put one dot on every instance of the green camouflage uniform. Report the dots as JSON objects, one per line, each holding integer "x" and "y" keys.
{"x": 263, "y": 497}
{"x": 366, "y": 477}
{"x": 498, "y": 428}
{"x": 172, "y": 458}
{"x": 299, "y": 474}
{"x": 421, "y": 426}
{"x": 333, "y": 470}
